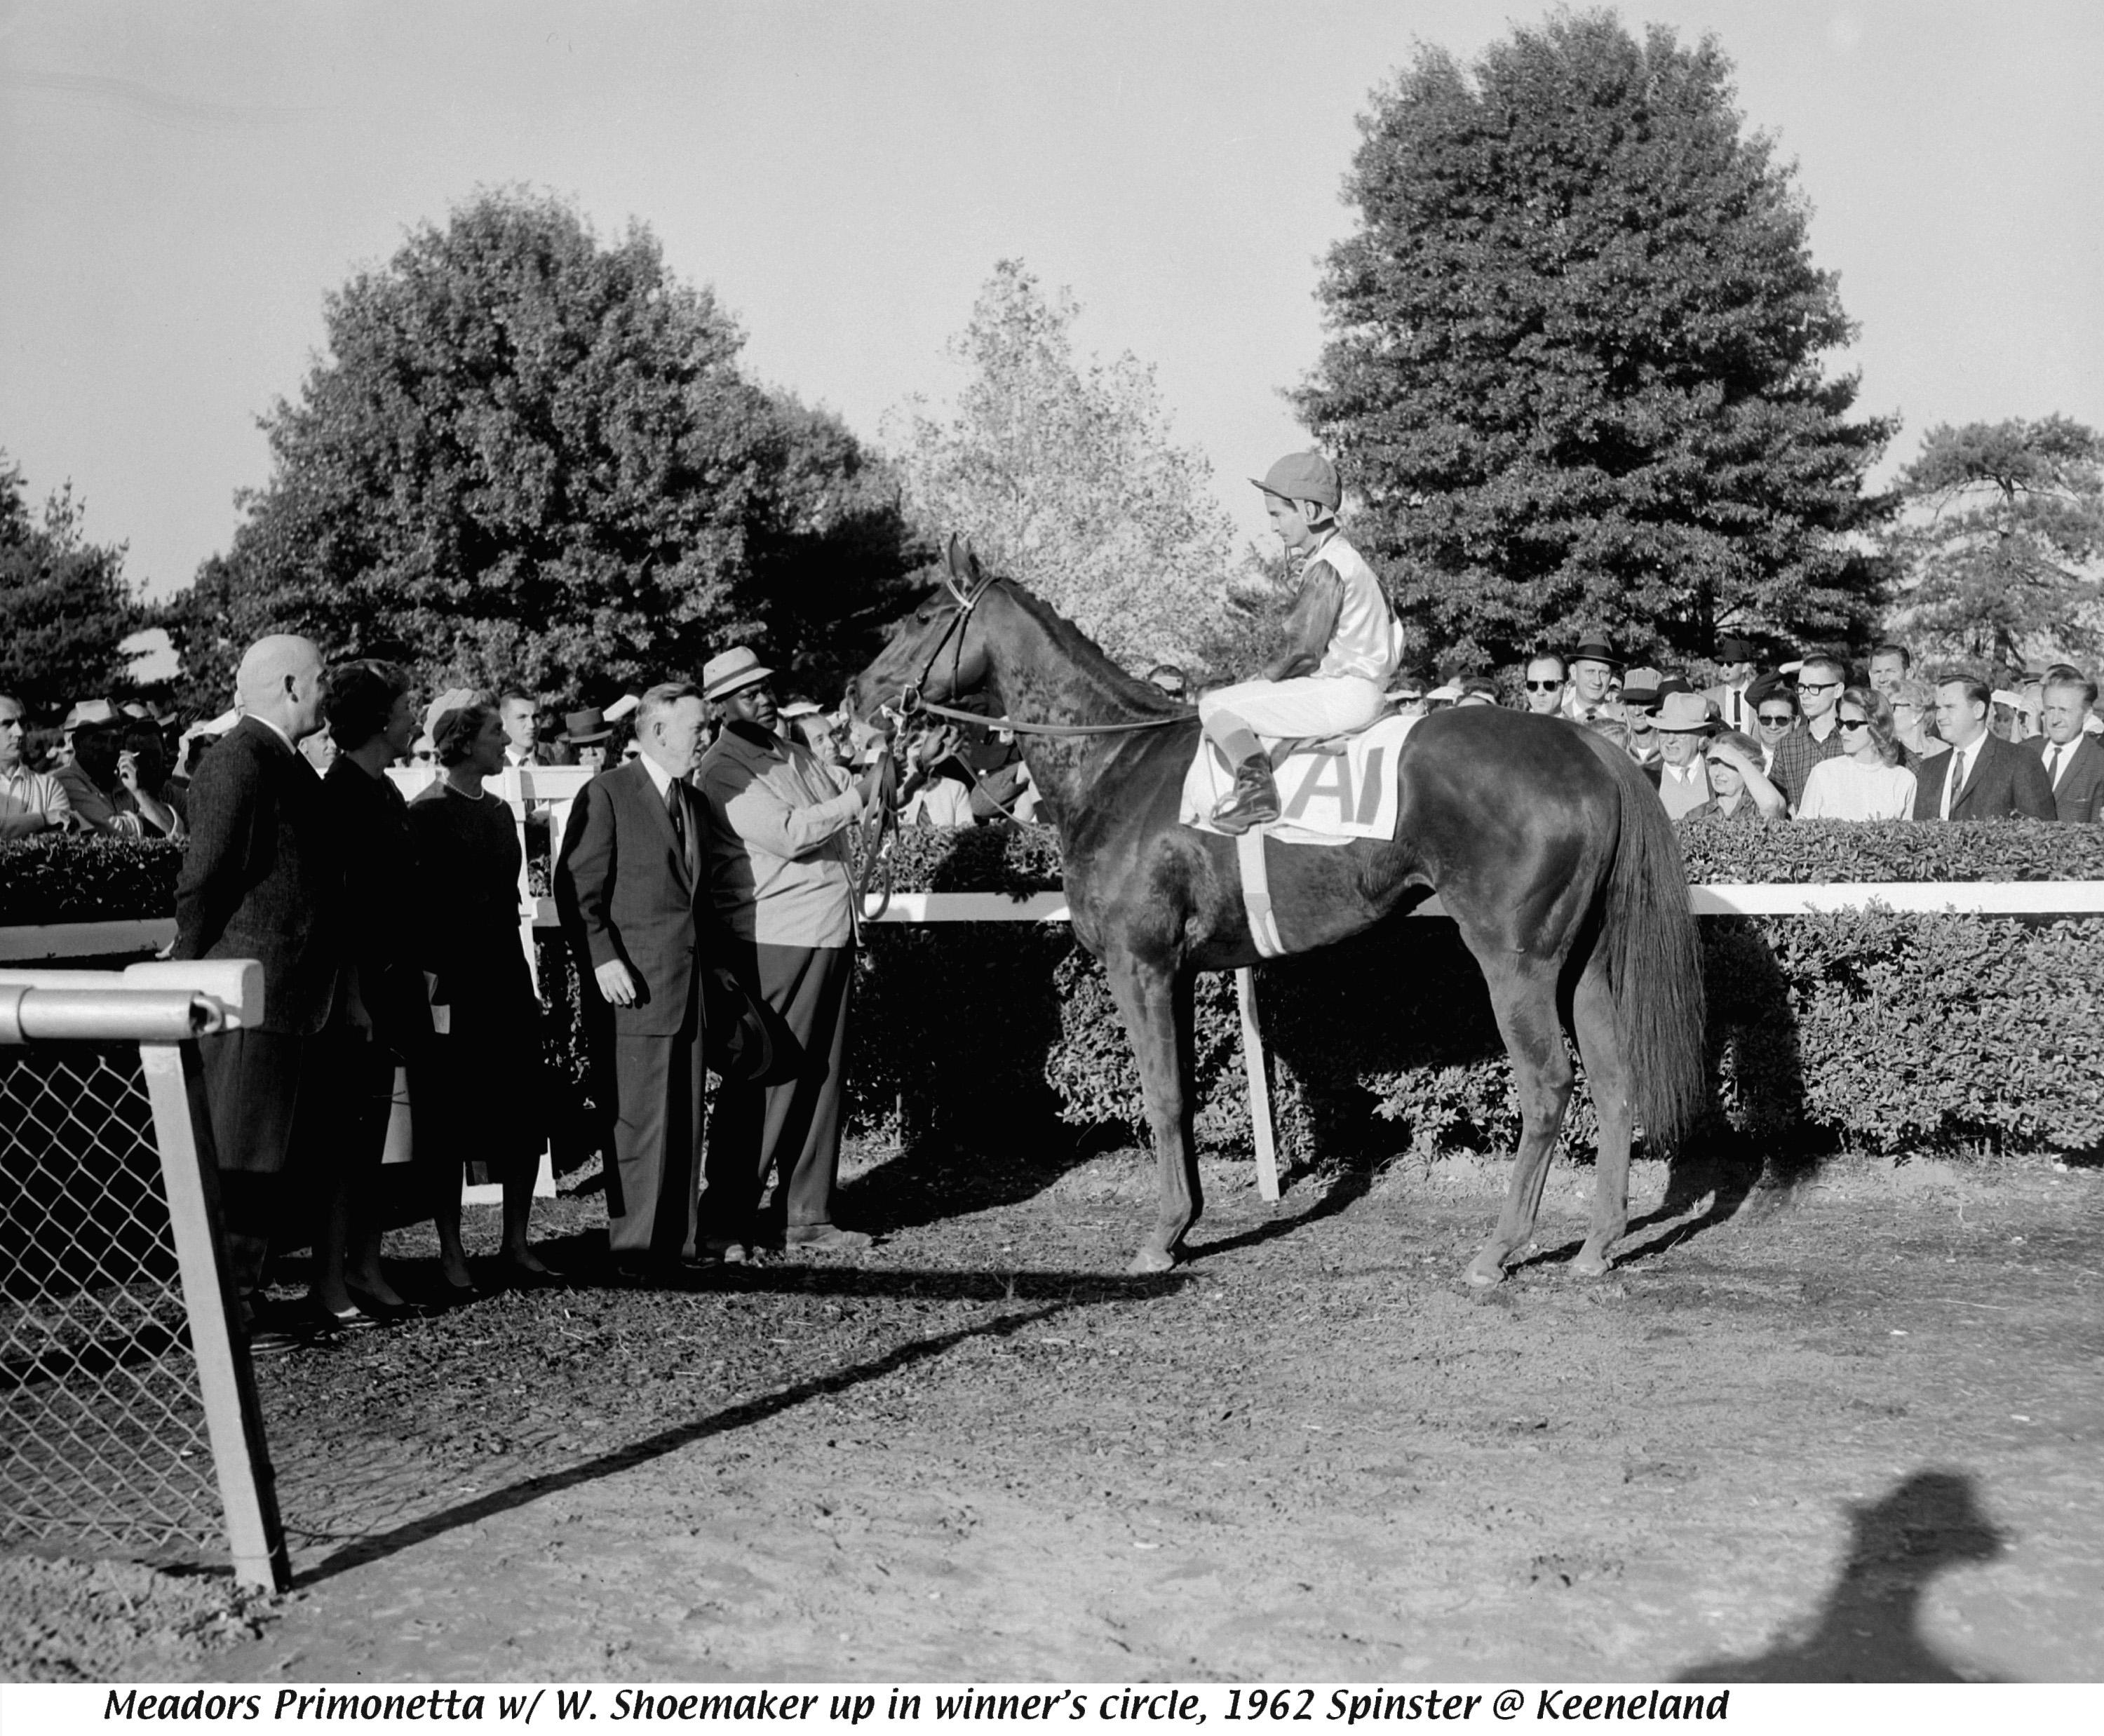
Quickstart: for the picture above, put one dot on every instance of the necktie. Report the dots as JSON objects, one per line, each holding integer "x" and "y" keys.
{"x": 1735, "y": 708}
{"x": 677, "y": 808}
{"x": 2052, "y": 765}
{"x": 1957, "y": 783}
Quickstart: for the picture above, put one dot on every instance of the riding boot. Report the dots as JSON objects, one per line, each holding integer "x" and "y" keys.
{"x": 1254, "y": 800}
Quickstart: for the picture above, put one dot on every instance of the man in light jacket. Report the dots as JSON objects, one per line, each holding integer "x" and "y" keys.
{"x": 779, "y": 820}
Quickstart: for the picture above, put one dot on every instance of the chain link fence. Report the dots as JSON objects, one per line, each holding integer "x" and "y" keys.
{"x": 103, "y": 1437}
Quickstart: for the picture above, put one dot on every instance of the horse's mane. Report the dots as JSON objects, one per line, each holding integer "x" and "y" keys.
{"x": 1142, "y": 696}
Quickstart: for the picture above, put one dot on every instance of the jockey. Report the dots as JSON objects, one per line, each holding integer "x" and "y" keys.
{"x": 1343, "y": 643}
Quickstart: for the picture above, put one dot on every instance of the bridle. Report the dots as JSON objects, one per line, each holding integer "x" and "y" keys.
{"x": 877, "y": 876}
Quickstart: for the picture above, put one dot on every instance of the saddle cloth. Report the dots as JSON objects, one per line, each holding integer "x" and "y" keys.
{"x": 1330, "y": 793}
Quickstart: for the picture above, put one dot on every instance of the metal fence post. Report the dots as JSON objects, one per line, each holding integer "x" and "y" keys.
{"x": 233, "y": 1417}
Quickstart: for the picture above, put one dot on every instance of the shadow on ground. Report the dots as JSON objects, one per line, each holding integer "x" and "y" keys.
{"x": 1868, "y": 1628}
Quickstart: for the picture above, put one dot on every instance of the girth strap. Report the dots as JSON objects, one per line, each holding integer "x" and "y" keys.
{"x": 1256, "y": 892}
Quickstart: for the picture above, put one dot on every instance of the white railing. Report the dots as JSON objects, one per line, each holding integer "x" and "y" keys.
{"x": 159, "y": 1007}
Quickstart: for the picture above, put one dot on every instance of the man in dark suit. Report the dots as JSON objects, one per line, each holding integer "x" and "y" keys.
{"x": 2072, "y": 761}
{"x": 263, "y": 879}
{"x": 630, "y": 871}
{"x": 1982, "y": 777}
{"x": 1735, "y": 658}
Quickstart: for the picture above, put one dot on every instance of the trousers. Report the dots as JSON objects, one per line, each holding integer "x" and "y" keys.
{"x": 1308, "y": 705}
{"x": 792, "y": 1122}
{"x": 653, "y": 1193}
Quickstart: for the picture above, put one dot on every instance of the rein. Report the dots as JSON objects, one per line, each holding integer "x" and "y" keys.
{"x": 910, "y": 699}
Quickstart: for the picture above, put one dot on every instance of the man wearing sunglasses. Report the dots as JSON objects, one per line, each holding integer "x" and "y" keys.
{"x": 1775, "y": 712}
{"x": 1544, "y": 681}
{"x": 1820, "y": 680}
{"x": 1593, "y": 667}
{"x": 1735, "y": 657}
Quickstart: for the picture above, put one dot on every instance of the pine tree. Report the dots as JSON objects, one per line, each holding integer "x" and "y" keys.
{"x": 2001, "y": 537}
{"x": 1573, "y": 375}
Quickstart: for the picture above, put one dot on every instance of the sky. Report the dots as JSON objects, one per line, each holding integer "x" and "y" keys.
{"x": 181, "y": 186}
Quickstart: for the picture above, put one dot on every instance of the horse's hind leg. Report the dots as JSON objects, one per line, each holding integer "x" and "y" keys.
{"x": 1607, "y": 1074}
{"x": 1156, "y": 1005}
{"x": 1523, "y": 995}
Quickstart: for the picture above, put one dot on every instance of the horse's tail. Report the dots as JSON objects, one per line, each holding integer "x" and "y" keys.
{"x": 1654, "y": 960}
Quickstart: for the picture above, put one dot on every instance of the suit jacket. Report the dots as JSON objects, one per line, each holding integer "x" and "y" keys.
{"x": 263, "y": 877}
{"x": 624, "y": 890}
{"x": 2003, "y": 783}
{"x": 1720, "y": 696}
{"x": 2079, "y": 797}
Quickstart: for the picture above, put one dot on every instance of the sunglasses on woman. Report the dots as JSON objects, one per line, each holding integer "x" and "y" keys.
{"x": 1852, "y": 723}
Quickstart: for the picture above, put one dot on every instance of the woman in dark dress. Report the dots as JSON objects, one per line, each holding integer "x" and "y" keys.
{"x": 481, "y": 1099}
{"x": 384, "y": 1020}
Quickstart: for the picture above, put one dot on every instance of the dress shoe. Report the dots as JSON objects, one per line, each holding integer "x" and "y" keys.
{"x": 824, "y": 1238}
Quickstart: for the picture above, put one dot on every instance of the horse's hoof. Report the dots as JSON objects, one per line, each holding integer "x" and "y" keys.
{"x": 1591, "y": 1264}
{"x": 1486, "y": 1274}
{"x": 1151, "y": 1260}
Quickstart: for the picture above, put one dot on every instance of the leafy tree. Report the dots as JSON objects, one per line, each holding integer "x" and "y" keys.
{"x": 1064, "y": 474}
{"x": 2003, "y": 528}
{"x": 65, "y": 606}
{"x": 1573, "y": 372}
{"x": 531, "y": 457}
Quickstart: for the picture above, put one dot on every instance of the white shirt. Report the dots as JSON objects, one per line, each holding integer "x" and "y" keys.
{"x": 1963, "y": 760}
{"x": 1847, "y": 789}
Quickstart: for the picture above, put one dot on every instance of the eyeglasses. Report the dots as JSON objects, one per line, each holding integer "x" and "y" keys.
{"x": 1816, "y": 687}
{"x": 1542, "y": 687}
{"x": 1852, "y": 723}
{"x": 1772, "y": 720}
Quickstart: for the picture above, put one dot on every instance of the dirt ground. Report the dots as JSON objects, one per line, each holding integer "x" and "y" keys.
{"x": 1850, "y": 1431}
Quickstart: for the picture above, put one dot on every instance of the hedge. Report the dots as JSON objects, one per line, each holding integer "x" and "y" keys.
{"x": 1827, "y": 1031}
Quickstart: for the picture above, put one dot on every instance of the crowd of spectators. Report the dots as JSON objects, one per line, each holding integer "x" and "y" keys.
{"x": 1815, "y": 736}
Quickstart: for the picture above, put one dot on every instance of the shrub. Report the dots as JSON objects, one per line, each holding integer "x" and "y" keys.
{"x": 1824, "y": 1030}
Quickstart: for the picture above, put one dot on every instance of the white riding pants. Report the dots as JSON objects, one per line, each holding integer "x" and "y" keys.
{"x": 1308, "y": 705}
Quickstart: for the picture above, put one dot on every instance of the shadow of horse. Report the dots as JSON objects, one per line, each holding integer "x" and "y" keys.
{"x": 1868, "y": 1628}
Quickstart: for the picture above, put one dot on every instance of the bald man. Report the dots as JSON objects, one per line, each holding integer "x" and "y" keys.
{"x": 262, "y": 879}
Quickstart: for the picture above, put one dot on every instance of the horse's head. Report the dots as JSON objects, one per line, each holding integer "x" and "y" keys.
{"x": 938, "y": 651}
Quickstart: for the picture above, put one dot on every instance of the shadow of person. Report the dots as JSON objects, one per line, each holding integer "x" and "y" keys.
{"x": 1867, "y": 1630}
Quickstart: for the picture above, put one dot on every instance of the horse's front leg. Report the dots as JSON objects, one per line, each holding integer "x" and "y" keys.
{"x": 1156, "y": 1003}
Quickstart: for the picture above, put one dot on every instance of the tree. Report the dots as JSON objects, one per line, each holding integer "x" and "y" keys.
{"x": 2002, "y": 526}
{"x": 65, "y": 609}
{"x": 1065, "y": 475}
{"x": 531, "y": 457}
{"x": 1573, "y": 372}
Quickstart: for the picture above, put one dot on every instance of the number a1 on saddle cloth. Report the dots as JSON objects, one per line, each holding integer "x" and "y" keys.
{"x": 1330, "y": 791}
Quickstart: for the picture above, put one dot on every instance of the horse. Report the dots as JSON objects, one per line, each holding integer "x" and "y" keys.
{"x": 1544, "y": 843}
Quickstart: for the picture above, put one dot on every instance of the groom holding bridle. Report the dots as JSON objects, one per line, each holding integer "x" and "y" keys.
{"x": 1342, "y": 645}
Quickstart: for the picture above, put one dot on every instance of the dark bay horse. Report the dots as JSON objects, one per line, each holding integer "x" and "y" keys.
{"x": 1544, "y": 843}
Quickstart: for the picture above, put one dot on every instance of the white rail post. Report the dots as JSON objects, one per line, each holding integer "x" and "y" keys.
{"x": 233, "y": 1417}
{"x": 1259, "y": 1086}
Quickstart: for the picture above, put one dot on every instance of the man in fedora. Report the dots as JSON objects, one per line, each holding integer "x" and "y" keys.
{"x": 1735, "y": 673}
{"x": 1683, "y": 727}
{"x": 586, "y": 734}
{"x": 779, "y": 824}
{"x": 631, "y": 887}
{"x": 1593, "y": 664}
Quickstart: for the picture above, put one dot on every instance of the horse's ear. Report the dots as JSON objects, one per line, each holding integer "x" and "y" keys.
{"x": 962, "y": 563}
